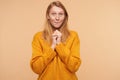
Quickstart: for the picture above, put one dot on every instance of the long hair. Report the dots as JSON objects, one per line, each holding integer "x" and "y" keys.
{"x": 48, "y": 29}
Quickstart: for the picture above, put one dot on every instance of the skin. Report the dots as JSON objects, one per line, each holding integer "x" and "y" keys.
{"x": 56, "y": 17}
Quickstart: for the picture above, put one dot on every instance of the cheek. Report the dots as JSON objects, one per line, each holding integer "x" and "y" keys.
{"x": 52, "y": 18}
{"x": 62, "y": 18}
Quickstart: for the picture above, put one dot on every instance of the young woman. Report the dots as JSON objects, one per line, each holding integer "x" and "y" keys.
{"x": 56, "y": 50}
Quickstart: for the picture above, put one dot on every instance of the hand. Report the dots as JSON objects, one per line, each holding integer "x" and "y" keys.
{"x": 59, "y": 35}
{"x": 56, "y": 38}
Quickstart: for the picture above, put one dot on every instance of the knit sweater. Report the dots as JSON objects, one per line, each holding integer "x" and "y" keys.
{"x": 58, "y": 64}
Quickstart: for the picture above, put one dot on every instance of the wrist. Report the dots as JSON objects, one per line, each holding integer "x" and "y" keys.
{"x": 53, "y": 46}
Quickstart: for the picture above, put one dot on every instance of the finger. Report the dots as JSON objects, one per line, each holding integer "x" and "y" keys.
{"x": 58, "y": 33}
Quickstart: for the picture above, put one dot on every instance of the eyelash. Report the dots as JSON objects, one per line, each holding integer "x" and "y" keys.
{"x": 53, "y": 13}
{"x": 59, "y": 14}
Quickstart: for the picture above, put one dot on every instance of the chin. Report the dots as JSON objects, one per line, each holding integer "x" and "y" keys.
{"x": 57, "y": 27}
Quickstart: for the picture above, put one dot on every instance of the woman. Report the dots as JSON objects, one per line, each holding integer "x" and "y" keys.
{"x": 56, "y": 50}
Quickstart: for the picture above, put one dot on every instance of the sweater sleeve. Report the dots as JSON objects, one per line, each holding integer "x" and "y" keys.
{"x": 70, "y": 56}
{"x": 39, "y": 59}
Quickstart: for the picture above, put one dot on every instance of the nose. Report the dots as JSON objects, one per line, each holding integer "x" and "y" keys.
{"x": 57, "y": 17}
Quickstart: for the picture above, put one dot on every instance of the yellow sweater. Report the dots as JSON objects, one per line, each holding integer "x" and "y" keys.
{"x": 58, "y": 64}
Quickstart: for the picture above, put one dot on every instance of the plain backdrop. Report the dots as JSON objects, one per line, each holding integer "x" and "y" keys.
{"x": 96, "y": 21}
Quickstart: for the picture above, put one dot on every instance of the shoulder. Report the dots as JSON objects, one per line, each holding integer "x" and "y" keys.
{"x": 73, "y": 33}
{"x": 37, "y": 35}
{"x": 73, "y": 37}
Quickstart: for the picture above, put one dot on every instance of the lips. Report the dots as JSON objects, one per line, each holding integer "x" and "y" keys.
{"x": 56, "y": 22}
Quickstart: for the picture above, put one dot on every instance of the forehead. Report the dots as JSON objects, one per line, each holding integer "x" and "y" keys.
{"x": 56, "y": 9}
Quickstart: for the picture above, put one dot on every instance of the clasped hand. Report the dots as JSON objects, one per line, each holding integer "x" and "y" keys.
{"x": 56, "y": 38}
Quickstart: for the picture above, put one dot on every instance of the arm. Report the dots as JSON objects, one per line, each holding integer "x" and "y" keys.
{"x": 39, "y": 59}
{"x": 70, "y": 57}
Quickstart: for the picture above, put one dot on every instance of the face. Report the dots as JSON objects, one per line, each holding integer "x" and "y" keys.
{"x": 56, "y": 16}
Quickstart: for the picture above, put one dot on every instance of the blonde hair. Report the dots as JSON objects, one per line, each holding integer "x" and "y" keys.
{"x": 48, "y": 29}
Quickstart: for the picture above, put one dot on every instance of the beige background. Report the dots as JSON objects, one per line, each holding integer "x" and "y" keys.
{"x": 96, "y": 21}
